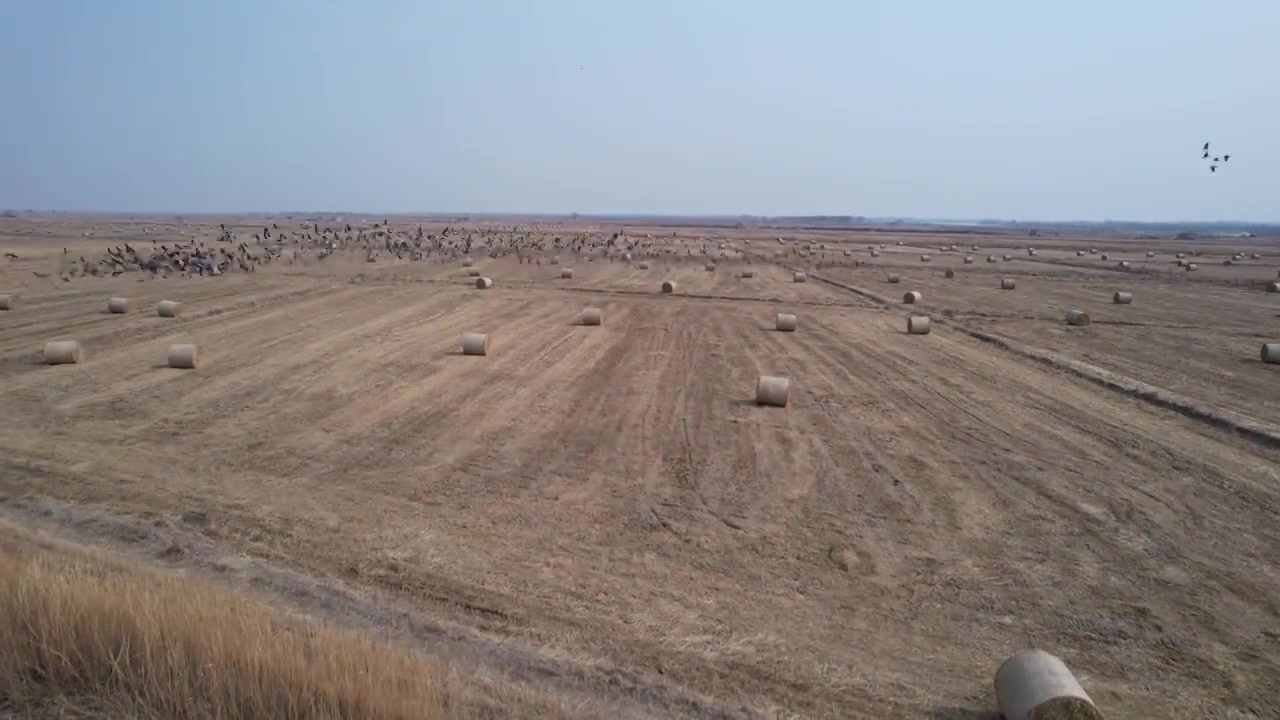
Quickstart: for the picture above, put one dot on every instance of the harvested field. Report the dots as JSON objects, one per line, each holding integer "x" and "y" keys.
{"x": 608, "y": 509}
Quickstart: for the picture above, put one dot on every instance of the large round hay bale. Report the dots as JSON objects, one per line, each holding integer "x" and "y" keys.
{"x": 1255, "y": 256}
{"x": 643, "y": 265}
{"x": 118, "y": 305}
{"x": 1271, "y": 353}
{"x": 668, "y": 286}
{"x": 991, "y": 258}
{"x": 8, "y": 302}
{"x": 748, "y": 274}
{"x": 1007, "y": 284}
{"x": 475, "y": 343}
{"x": 1190, "y": 267}
{"x": 484, "y": 283}
{"x": 949, "y": 273}
{"x": 875, "y": 253}
{"x": 785, "y": 322}
{"x": 919, "y": 325}
{"x": 925, "y": 258}
{"x": 566, "y": 273}
{"x": 1151, "y": 253}
{"x": 1093, "y": 251}
{"x": 774, "y": 391}
{"x": 1105, "y": 257}
{"x": 1122, "y": 298}
{"x": 968, "y": 259}
{"x": 1180, "y": 255}
{"x": 591, "y": 316}
{"x": 1031, "y": 252}
{"x": 1079, "y": 253}
{"x": 169, "y": 308}
{"x": 892, "y": 278}
{"x": 555, "y": 261}
{"x": 1273, "y": 287}
{"x": 1077, "y": 317}
{"x": 710, "y": 267}
{"x": 1007, "y": 258}
{"x": 798, "y": 277}
{"x": 63, "y": 352}
{"x": 1124, "y": 264}
{"x": 473, "y": 272}
{"x": 912, "y": 297}
{"x": 1034, "y": 685}
{"x": 184, "y": 356}
{"x": 467, "y": 262}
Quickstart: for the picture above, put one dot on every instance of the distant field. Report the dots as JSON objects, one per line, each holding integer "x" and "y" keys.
{"x": 611, "y": 501}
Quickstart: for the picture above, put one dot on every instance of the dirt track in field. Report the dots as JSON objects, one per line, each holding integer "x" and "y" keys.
{"x": 924, "y": 507}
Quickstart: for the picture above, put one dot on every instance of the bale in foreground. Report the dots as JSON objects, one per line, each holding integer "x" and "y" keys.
{"x": 911, "y": 298}
{"x": 63, "y": 352}
{"x": 169, "y": 308}
{"x": 566, "y": 273}
{"x": 785, "y": 322}
{"x": 484, "y": 283}
{"x": 1034, "y": 685}
{"x": 1271, "y": 353}
{"x": 475, "y": 344}
{"x": 7, "y": 302}
{"x": 118, "y": 305}
{"x": 798, "y": 277}
{"x": 1077, "y": 317}
{"x": 1007, "y": 284}
{"x": 668, "y": 286}
{"x": 184, "y": 356}
{"x": 919, "y": 325}
{"x": 773, "y": 391}
{"x": 1122, "y": 298}
{"x": 591, "y": 316}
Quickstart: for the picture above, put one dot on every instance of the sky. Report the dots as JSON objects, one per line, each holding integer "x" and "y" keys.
{"x": 1082, "y": 110}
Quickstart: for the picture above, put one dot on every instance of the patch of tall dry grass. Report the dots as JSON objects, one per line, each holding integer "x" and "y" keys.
{"x": 74, "y": 634}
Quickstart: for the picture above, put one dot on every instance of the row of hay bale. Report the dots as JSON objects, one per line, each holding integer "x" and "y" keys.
{"x": 184, "y": 356}
{"x": 115, "y": 306}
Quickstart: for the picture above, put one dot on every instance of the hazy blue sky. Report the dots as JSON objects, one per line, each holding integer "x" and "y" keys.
{"x": 1087, "y": 109}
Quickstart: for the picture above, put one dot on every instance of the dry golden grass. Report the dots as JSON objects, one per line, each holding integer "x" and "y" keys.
{"x": 83, "y": 635}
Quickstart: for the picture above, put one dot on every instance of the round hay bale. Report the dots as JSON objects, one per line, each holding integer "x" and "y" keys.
{"x": 1007, "y": 284}
{"x": 1182, "y": 263}
{"x": 668, "y": 286}
{"x": 643, "y": 266}
{"x": 1007, "y": 258}
{"x": 949, "y": 274}
{"x": 1190, "y": 267}
{"x": 899, "y": 243}
{"x": 1255, "y": 256}
{"x": 8, "y": 302}
{"x": 875, "y": 253}
{"x": 785, "y": 322}
{"x": 1271, "y": 353}
{"x": 748, "y": 274}
{"x": 467, "y": 262}
{"x": 919, "y": 325}
{"x": 1124, "y": 264}
{"x": 1273, "y": 287}
{"x": 1077, "y": 317}
{"x": 1093, "y": 251}
{"x": 169, "y": 308}
{"x": 1122, "y": 298}
{"x": 184, "y": 356}
{"x": 798, "y": 277}
{"x": 566, "y": 273}
{"x": 975, "y": 248}
{"x": 892, "y": 278}
{"x": 924, "y": 258}
{"x": 118, "y": 305}
{"x": 991, "y": 258}
{"x": 711, "y": 267}
{"x": 968, "y": 259}
{"x": 1151, "y": 253}
{"x": 591, "y": 316}
{"x": 484, "y": 283}
{"x": 1079, "y": 253}
{"x": 1034, "y": 685}
{"x": 1180, "y": 255}
{"x": 773, "y": 391}
{"x": 63, "y": 352}
{"x": 1105, "y": 257}
{"x": 475, "y": 343}
{"x": 473, "y": 272}
{"x": 1031, "y": 252}
{"x": 912, "y": 297}
{"x": 1227, "y": 263}
{"x": 555, "y": 261}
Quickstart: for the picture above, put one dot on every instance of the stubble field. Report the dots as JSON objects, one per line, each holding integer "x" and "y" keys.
{"x": 609, "y": 504}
